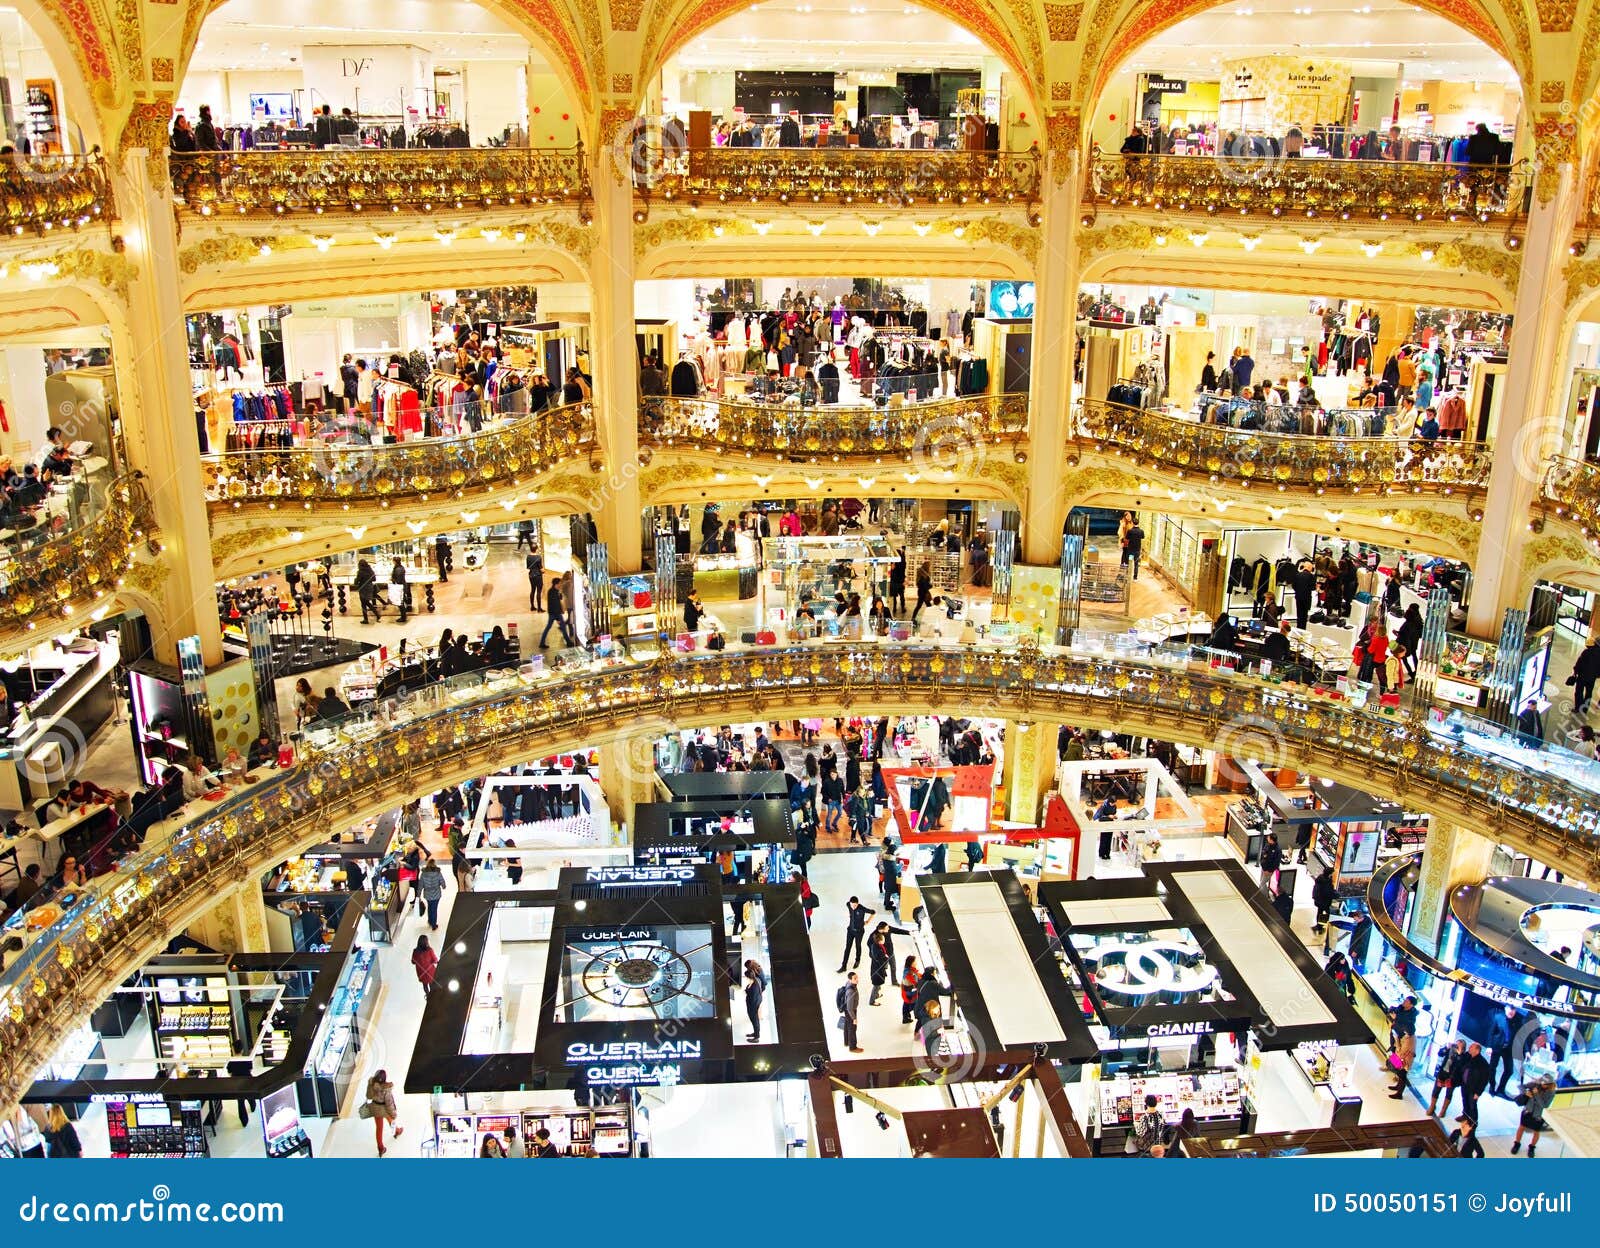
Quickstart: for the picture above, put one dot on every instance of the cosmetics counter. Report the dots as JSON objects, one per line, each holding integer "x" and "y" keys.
{"x": 1501, "y": 948}
{"x": 604, "y": 1131}
{"x": 63, "y": 689}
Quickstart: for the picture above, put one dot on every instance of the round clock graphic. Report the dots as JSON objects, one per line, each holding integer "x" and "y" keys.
{"x": 636, "y": 975}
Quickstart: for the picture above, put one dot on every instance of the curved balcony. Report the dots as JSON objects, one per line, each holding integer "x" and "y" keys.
{"x": 443, "y": 733}
{"x": 273, "y": 184}
{"x": 1371, "y": 465}
{"x": 874, "y": 177}
{"x": 941, "y": 432}
{"x": 1339, "y": 190}
{"x": 47, "y": 582}
{"x": 43, "y": 193}
{"x": 402, "y": 472}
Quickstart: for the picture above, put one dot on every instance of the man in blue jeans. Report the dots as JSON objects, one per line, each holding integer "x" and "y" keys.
{"x": 556, "y": 617}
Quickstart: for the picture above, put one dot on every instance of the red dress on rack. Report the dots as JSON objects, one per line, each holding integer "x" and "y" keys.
{"x": 408, "y": 417}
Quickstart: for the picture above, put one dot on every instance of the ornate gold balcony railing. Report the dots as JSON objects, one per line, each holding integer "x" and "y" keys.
{"x": 887, "y": 178}
{"x": 1341, "y": 190}
{"x": 40, "y": 193}
{"x": 1572, "y": 493}
{"x": 440, "y": 733}
{"x": 936, "y": 430}
{"x": 105, "y": 526}
{"x": 267, "y": 184}
{"x": 1222, "y": 455}
{"x": 404, "y": 471}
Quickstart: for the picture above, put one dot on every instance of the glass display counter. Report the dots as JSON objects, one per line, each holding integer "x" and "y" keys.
{"x": 334, "y": 1051}
{"x": 1218, "y": 1098}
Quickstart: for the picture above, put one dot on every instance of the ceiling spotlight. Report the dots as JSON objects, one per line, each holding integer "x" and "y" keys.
{"x": 1309, "y": 245}
{"x": 1426, "y": 253}
{"x": 385, "y": 241}
{"x": 322, "y": 241}
{"x": 816, "y": 227}
{"x": 1199, "y": 240}
{"x": 492, "y": 236}
{"x": 882, "y": 1119}
{"x": 445, "y": 237}
{"x": 872, "y": 228}
{"x": 1250, "y": 242}
{"x": 1371, "y": 249}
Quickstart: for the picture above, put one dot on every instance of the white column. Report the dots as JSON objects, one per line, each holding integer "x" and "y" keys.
{"x": 614, "y": 357}
{"x": 1528, "y": 428}
{"x": 151, "y": 356}
{"x": 1050, "y": 387}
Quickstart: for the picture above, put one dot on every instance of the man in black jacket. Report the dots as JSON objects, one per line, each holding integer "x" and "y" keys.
{"x": 557, "y": 617}
{"x": 1585, "y": 671}
{"x": 1133, "y": 548}
{"x": 929, "y": 989}
{"x": 1305, "y": 589}
{"x": 1474, "y": 1076}
{"x": 1502, "y": 1035}
{"x": 1323, "y": 895}
{"x": 856, "y": 916}
{"x": 1275, "y": 649}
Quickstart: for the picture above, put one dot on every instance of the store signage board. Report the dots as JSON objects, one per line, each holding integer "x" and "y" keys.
{"x": 628, "y": 877}
{"x": 1169, "y": 86}
{"x": 1460, "y": 693}
{"x": 637, "y": 1063}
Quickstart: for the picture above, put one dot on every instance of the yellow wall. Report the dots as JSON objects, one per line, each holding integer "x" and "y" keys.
{"x": 1458, "y": 106}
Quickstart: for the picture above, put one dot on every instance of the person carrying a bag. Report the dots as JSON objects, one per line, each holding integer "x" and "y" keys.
{"x": 380, "y": 1107}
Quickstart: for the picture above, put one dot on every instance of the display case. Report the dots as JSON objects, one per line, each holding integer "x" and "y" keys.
{"x": 337, "y": 1045}
{"x": 1218, "y": 1097}
{"x": 155, "y": 1127}
{"x": 1464, "y": 670}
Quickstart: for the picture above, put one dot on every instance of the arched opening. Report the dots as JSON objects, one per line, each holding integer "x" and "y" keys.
{"x": 45, "y": 107}
{"x": 1382, "y": 67}
{"x": 902, "y": 69}
{"x": 390, "y": 72}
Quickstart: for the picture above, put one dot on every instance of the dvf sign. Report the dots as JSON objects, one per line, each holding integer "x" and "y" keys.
{"x": 351, "y": 66}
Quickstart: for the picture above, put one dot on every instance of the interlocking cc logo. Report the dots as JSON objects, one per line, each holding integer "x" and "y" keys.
{"x": 1140, "y": 971}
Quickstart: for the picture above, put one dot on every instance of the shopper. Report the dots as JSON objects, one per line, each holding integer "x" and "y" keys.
{"x": 1187, "y": 1128}
{"x": 889, "y": 877}
{"x": 1464, "y": 1139}
{"x": 555, "y": 605}
{"x": 910, "y": 977}
{"x": 1403, "y": 1029}
{"x": 430, "y": 887}
{"x": 512, "y": 1143}
{"x": 1447, "y": 1074}
{"x": 380, "y": 1107}
{"x": 1323, "y": 897}
{"x": 1502, "y": 1036}
{"x": 808, "y": 896}
{"x": 1271, "y": 862}
{"x": 897, "y": 584}
{"x": 929, "y": 990}
{"x": 1305, "y": 590}
{"x": 924, "y": 591}
{"x": 848, "y": 999}
{"x": 535, "y": 581}
{"x": 491, "y": 1146}
{"x": 880, "y": 957}
{"x": 1149, "y": 1129}
{"x": 1337, "y": 968}
{"x": 856, "y": 916}
{"x": 1585, "y": 672}
{"x": 832, "y": 798}
{"x": 426, "y": 962}
{"x": 1534, "y": 1098}
{"x": 1474, "y": 1079}
{"x": 1133, "y": 548}
{"x": 61, "y": 1137}
{"x": 543, "y": 1145}
{"x": 755, "y": 992}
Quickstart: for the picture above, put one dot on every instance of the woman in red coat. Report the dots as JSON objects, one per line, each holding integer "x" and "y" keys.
{"x": 426, "y": 962}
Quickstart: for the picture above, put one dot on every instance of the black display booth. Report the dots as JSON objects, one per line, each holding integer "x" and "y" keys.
{"x": 1146, "y": 966}
{"x": 240, "y": 1037}
{"x": 641, "y": 986}
{"x": 687, "y": 832}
